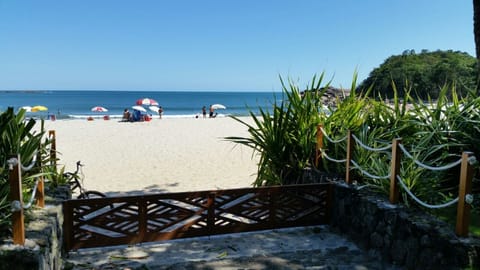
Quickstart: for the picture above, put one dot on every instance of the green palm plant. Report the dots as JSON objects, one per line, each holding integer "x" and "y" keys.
{"x": 17, "y": 136}
{"x": 285, "y": 137}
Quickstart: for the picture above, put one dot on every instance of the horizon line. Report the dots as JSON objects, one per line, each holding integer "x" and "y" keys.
{"x": 137, "y": 90}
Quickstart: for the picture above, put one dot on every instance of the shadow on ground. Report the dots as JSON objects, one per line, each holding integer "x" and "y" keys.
{"x": 153, "y": 189}
{"x": 294, "y": 248}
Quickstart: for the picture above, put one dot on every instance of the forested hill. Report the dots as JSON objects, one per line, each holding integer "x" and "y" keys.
{"x": 425, "y": 73}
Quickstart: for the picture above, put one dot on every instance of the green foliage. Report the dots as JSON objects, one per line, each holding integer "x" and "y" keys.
{"x": 16, "y": 136}
{"x": 433, "y": 132}
{"x": 425, "y": 73}
{"x": 55, "y": 175}
{"x": 285, "y": 137}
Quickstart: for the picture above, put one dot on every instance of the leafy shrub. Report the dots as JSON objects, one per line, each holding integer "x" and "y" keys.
{"x": 285, "y": 137}
{"x": 435, "y": 133}
{"x": 17, "y": 135}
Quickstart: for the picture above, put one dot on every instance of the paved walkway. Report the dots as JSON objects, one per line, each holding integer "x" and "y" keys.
{"x": 294, "y": 248}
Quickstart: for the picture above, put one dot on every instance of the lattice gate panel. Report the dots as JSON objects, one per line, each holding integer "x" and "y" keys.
{"x": 177, "y": 217}
{"x": 100, "y": 222}
{"x": 240, "y": 211}
{"x": 133, "y": 219}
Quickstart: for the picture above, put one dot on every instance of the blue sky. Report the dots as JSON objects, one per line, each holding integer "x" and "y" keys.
{"x": 216, "y": 45}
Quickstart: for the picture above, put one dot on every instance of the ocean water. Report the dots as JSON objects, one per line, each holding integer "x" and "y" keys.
{"x": 78, "y": 104}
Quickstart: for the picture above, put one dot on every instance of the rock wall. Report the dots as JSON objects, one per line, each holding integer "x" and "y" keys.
{"x": 405, "y": 237}
{"x": 43, "y": 238}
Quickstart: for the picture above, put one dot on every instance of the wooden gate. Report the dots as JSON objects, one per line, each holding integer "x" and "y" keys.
{"x": 134, "y": 219}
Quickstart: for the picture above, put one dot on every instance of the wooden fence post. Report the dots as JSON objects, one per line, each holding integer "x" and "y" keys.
{"x": 211, "y": 213}
{"x": 319, "y": 145}
{"x": 53, "y": 148}
{"x": 142, "y": 219}
{"x": 464, "y": 189}
{"x": 15, "y": 179}
{"x": 67, "y": 225}
{"x": 272, "y": 208}
{"x": 395, "y": 170}
{"x": 350, "y": 143}
{"x": 40, "y": 193}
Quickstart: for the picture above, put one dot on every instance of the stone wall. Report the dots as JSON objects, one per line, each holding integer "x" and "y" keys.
{"x": 43, "y": 238}
{"x": 399, "y": 235}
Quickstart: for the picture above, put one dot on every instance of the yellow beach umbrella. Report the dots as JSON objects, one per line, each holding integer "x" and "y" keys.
{"x": 39, "y": 108}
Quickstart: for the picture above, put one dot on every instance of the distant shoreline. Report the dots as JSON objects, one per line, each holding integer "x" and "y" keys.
{"x": 24, "y": 91}
{"x": 78, "y": 104}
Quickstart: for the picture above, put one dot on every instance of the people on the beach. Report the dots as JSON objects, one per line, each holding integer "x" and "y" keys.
{"x": 126, "y": 115}
{"x": 137, "y": 116}
{"x": 204, "y": 112}
{"x": 211, "y": 111}
{"x": 160, "y": 112}
{"x": 51, "y": 116}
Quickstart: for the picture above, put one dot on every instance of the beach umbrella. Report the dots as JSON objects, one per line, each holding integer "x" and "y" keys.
{"x": 154, "y": 109}
{"x": 139, "y": 108}
{"x": 218, "y": 106}
{"x": 99, "y": 109}
{"x": 39, "y": 108}
{"x": 147, "y": 101}
{"x": 27, "y": 108}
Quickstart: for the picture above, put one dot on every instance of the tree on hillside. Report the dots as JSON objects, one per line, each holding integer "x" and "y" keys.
{"x": 424, "y": 73}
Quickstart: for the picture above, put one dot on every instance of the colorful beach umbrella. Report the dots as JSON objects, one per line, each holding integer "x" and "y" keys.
{"x": 39, "y": 108}
{"x": 139, "y": 108}
{"x": 154, "y": 109}
{"x": 147, "y": 101}
{"x": 99, "y": 109}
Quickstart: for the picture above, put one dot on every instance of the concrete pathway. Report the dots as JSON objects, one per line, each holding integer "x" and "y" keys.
{"x": 293, "y": 248}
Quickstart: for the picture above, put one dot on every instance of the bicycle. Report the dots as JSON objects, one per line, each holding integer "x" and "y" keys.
{"x": 75, "y": 180}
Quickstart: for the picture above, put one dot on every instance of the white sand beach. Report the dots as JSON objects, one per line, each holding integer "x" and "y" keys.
{"x": 167, "y": 155}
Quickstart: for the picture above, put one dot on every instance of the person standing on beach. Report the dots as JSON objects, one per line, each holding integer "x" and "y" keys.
{"x": 160, "y": 112}
{"x": 204, "y": 112}
{"x": 211, "y": 111}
